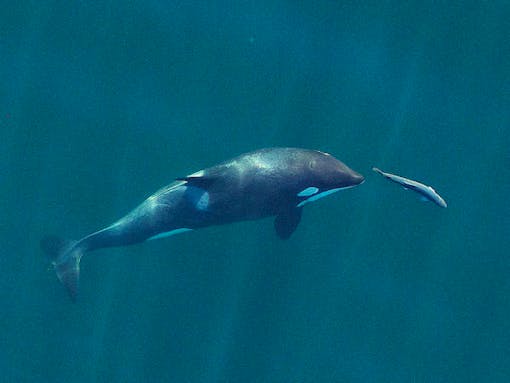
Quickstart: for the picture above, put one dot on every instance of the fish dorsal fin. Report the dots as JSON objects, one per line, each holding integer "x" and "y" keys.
{"x": 202, "y": 182}
{"x": 287, "y": 221}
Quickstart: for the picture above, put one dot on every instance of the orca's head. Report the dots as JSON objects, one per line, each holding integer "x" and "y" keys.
{"x": 331, "y": 173}
{"x": 326, "y": 175}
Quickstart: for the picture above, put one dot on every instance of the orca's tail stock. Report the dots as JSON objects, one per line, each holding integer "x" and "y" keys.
{"x": 65, "y": 257}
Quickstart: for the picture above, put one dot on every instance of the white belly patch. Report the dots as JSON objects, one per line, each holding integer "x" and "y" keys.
{"x": 198, "y": 197}
{"x": 169, "y": 233}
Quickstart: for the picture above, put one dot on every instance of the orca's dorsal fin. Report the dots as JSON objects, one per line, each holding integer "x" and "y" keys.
{"x": 287, "y": 221}
{"x": 202, "y": 182}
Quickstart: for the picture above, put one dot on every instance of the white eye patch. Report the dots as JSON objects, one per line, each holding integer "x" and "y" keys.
{"x": 318, "y": 196}
{"x": 311, "y": 190}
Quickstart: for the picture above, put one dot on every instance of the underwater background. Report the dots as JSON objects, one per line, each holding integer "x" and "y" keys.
{"x": 102, "y": 103}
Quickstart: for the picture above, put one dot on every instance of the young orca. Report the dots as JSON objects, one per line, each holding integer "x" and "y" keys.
{"x": 267, "y": 182}
{"x": 427, "y": 193}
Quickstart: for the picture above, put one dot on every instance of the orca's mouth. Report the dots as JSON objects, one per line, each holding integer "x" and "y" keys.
{"x": 357, "y": 179}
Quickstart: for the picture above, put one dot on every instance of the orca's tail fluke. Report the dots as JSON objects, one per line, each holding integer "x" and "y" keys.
{"x": 65, "y": 257}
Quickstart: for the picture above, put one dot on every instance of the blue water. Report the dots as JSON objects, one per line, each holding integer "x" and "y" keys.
{"x": 102, "y": 103}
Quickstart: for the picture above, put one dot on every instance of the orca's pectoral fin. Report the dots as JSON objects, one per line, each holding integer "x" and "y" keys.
{"x": 287, "y": 221}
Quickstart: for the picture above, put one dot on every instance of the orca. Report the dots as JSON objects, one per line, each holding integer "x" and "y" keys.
{"x": 263, "y": 183}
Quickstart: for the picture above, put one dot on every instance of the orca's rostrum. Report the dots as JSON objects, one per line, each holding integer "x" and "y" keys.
{"x": 267, "y": 182}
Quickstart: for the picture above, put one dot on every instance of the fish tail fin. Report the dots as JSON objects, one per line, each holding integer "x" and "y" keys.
{"x": 65, "y": 257}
